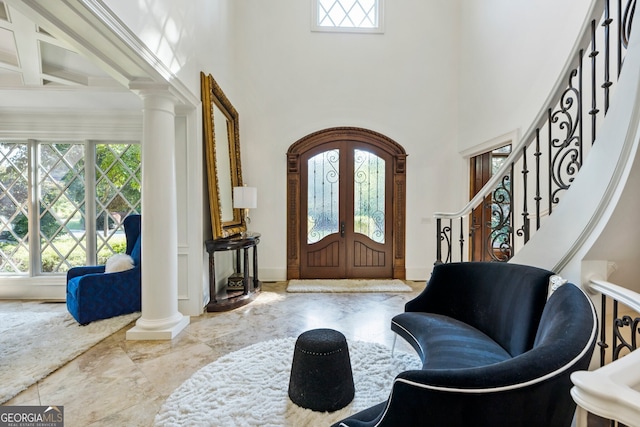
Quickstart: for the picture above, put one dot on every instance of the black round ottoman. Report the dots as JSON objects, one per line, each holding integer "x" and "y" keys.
{"x": 321, "y": 377}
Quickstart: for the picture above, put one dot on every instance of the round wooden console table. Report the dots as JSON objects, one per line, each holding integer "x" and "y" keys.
{"x": 228, "y": 299}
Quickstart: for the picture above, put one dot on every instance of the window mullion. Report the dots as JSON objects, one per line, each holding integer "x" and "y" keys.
{"x": 34, "y": 209}
{"x": 90, "y": 201}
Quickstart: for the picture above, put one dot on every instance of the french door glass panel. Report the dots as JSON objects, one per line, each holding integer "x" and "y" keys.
{"x": 369, "y": 195}
{"x": 323, "y": 195}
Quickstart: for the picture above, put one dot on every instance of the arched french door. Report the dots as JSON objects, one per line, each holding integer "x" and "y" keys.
{"x": 346, "y": 206}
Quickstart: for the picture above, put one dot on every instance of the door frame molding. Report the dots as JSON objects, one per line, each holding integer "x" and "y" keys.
{"x": 398, "y": 195}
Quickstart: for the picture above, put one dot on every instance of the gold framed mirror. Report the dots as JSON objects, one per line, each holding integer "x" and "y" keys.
{"x": 222, "y": 152}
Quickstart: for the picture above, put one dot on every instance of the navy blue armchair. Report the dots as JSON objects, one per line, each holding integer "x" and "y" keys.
{"x": 93, "y": 294}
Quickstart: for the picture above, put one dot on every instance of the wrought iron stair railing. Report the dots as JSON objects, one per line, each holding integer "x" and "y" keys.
{"x": 546, "y": 160}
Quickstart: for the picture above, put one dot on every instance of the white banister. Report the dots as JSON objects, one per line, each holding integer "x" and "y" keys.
{"x": 612, "y": 391}
{"x": 625, "y": 296}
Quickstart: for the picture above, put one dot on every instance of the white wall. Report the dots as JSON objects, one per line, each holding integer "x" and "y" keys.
{"x": 401, "y": 83}
{"x": 511, "y": 53}
{"x": 287, "y": 82}
{"x": 444, "y": 77}
{"x": 187, "y": 36}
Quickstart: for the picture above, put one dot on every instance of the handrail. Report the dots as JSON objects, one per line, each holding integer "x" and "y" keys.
{"x": 595, "y": 11}
{"x": 613, "y": 390}
{"x": 610, "y": 392}
{"x": 626, "y": 296}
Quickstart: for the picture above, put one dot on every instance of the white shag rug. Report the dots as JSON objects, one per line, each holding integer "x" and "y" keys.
{"x": 34, "y": 343}
{"x": 347, "y": 285}
{"x": 249, "y": 387}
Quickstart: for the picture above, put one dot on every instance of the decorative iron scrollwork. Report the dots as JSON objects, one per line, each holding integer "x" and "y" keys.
{"x": 445, "y": 236}
{"x": 369, "y": 199}
{"x": 621, "y": 341}
{"x": 567, "y": 157}
{"x": 499, "y": 245}
{"x": 322, "y": 202}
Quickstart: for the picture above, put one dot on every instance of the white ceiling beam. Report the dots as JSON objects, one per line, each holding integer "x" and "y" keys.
{"x": 24, "y": 32}
{"x": 63, "y": 76}
{"x": 97, "y": 33}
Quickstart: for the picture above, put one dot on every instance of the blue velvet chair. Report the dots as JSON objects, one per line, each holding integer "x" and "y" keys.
{"x": 495, "y": 351}
{"x": 93, "y": 294}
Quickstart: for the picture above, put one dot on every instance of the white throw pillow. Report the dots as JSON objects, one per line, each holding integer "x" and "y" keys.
{"x": 118, "y": 262}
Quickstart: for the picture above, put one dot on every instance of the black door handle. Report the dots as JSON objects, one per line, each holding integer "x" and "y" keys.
{"x": 342, "y": 228}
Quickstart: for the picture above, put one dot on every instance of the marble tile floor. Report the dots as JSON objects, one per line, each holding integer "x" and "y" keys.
{"x": 124, "y": 383}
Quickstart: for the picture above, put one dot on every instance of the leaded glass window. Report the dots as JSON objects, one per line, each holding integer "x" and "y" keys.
{"x": 348, "y": 15}
{"x": 79, "y": 196}
{"x": 14, "y": 202}
{"x": 118, "y": 179}
{"x": 61, "y": 198}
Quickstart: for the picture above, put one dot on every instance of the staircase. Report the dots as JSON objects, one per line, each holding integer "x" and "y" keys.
{"x": 567, "y": 197}
{"x": 558, "y": 185}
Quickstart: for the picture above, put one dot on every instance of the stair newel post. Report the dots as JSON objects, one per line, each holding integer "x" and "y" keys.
{"x": 461, "y": 239}
{"x": 603, "y": 330}
{"x": 512, "y": 217}
{"x": 443, "y": 234}
{"x": 449, "y": 233}
{"x": 439, "y": 239}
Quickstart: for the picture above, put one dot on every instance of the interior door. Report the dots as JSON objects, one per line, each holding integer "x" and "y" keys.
{"x": 480, "y": 173}
{"x": 485, "y": 241}
{"x": 346, "y": 211}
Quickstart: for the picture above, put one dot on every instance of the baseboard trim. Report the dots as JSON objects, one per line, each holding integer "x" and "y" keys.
{"x": 42, "y": 289}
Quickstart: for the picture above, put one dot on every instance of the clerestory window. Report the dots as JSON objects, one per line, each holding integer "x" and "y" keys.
{"x": 347, "y": 15}
{"x": 62, "y": 203}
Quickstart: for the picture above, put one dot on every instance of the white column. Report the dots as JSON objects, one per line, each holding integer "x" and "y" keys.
{"x": 160, "y": 316}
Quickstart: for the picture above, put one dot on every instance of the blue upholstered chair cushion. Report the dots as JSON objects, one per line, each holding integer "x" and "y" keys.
{"x": 504, "y": 301}
{"x": 445, "y": 342}
{"x": 94, "y": 295}
{"x": 135, "y": 252}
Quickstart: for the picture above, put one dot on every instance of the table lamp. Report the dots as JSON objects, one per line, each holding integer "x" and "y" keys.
{"x": 245, "y": 198}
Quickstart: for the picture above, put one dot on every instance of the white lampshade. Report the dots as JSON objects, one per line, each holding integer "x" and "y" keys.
{"x": 245, "y": 197}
